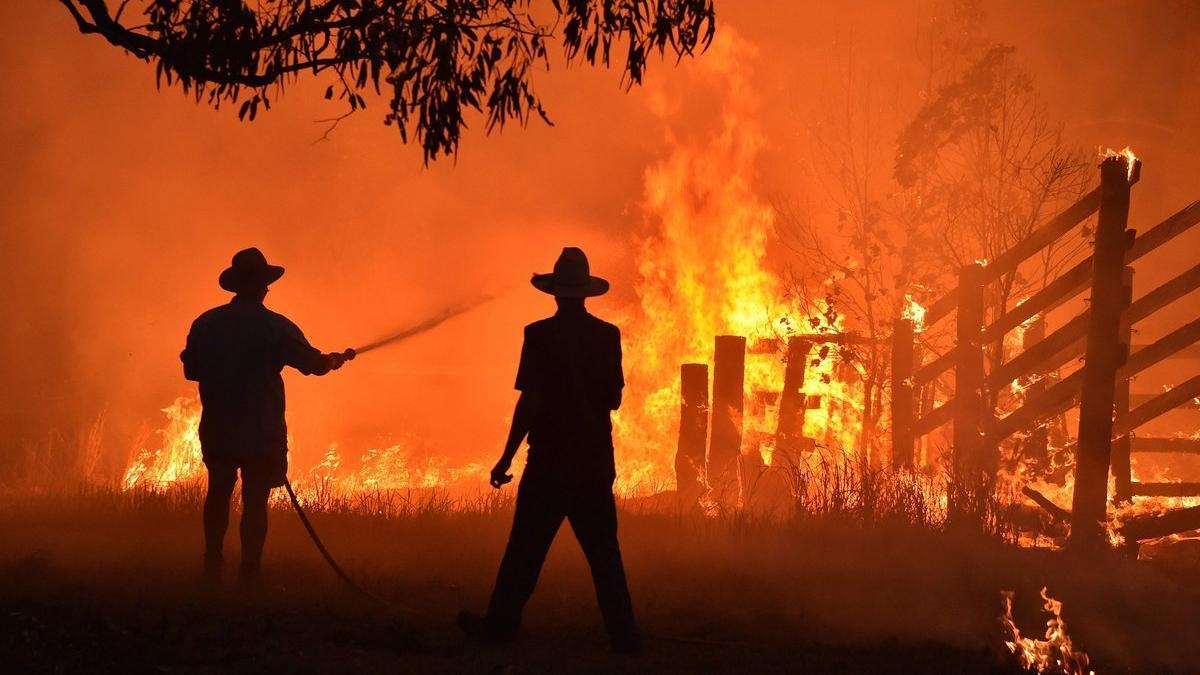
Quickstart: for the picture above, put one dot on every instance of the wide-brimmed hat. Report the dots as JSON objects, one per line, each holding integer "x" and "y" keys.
{"x": 249, "y": 270}
{"x": 571, "y": 277}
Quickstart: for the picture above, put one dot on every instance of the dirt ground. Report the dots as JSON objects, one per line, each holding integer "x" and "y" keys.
{"x": 93, "y": 582}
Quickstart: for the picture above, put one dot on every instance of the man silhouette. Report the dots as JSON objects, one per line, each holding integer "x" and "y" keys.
{"x": 570, "y": 380}
{"x": 236, "y": 352}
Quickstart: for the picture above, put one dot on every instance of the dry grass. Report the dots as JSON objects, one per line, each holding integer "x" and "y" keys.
{"x": 96, "y": 579}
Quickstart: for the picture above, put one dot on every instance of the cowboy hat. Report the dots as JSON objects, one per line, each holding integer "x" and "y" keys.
{"x": 571, "y": 277}
{"x": 249, "y": 270}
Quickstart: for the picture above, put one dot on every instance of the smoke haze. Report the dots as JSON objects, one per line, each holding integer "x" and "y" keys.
{"x": 120, "y": 204}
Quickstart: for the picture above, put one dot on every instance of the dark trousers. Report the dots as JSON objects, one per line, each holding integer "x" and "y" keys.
{"x": 541, "y": 507}
{"x": 221, "y": 481}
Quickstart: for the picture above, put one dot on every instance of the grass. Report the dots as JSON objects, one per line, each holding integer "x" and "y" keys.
{"x": 97, "y": 580}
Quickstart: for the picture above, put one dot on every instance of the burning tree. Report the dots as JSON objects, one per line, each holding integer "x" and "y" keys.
{"x": 437, "y": 60}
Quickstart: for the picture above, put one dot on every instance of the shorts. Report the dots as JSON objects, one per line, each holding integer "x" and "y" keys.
{"x": 268, "y": 470}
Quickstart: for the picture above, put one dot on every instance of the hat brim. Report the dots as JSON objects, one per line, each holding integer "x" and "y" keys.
{"x": 236, "y": 281}
{"x": 551, "y": 284}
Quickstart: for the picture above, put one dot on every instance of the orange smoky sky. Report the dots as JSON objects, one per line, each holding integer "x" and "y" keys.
{"x": 121, "y": 203}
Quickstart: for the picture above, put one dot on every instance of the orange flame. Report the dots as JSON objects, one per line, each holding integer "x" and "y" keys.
{"x": 1126, "y": 152}
{"x": 1055, "y": 653}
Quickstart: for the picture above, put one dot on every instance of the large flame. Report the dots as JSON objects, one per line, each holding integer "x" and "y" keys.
{"x": 704, "y": 271}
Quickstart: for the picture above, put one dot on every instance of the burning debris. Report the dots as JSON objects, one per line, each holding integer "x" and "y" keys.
{"x": 1053, "y": 654}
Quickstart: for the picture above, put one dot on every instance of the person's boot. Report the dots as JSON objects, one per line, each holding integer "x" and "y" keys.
{"x": 479, "y": 627}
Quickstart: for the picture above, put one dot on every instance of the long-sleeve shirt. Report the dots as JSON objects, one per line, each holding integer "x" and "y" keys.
{"x": 237, "y": 352}
{"x": 571, "y": 362}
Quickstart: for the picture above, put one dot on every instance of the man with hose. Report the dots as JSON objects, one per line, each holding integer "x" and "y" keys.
{"x": 236, "y": 353}
{"x": 570, "y": 381}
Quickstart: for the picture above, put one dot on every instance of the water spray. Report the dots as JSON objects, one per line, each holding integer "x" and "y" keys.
{"x": 424, "y": 326}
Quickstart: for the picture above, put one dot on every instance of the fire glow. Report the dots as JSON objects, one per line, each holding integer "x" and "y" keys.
{"x": 704, "y": 271}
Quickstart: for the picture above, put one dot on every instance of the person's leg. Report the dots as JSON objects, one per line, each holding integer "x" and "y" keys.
{"x": 539, "y": 513}
{"x": 592, "y": 512}
{"x": 254, "y": 526}
{"x": 221, "y": 480}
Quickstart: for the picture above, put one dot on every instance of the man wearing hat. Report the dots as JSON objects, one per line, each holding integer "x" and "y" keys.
{"x": 236, "y": 352}
{"x": 570, "y": 381}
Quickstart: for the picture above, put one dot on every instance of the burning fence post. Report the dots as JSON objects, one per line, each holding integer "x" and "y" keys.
{"x": 1122, "y": 469}
{"x": 693, "y": 429}
{"x": 1103, "y": 355}
{"x": 728, "y": 405}
{"x": 903, "y": 441}
{"x": 970, "y": 400}
{"x": 793, "y": 403}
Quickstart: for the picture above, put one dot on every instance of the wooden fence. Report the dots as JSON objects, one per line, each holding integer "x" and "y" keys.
{"x": 1101, "y": 335}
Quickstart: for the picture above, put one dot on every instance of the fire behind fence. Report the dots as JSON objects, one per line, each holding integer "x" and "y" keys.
{"x": 775, "y": 417}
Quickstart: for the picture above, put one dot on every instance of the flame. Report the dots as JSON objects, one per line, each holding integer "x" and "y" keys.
{"x": 1055, "y": 653}
{"x": 1127, "y": 152}
{"x": 705, "y": 271}
{"x": 394, "y": 467}
{"x": 913, "y": 311}
{"x": 178, "y": 459}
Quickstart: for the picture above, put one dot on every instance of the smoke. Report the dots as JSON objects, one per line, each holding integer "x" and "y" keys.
{"x": 120, "y": 205}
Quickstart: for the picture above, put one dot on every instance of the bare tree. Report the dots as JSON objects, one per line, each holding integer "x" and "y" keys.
{"x": 981, "y": 166}
{"x": 436, "y": 58}
{"x": 856, "y": 270}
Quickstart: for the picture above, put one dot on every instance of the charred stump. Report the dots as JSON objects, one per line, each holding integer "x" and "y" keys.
{"x": 693, "y": 430}
{"x": 793, "y": 403}
{"x": 728, "y": 406}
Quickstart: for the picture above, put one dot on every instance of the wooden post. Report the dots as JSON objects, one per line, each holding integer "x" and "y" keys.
{"x": 1103, "y": 358}
{"x": 693, "y": 430}
{"x": 1036, "y": 445}
{"x": 1122, "y": 468}
{"x": 793, "y": 403}
{"x": 969, "y": 396}
{"x": 728, "y": 405}
{"x": 903, "y": 442}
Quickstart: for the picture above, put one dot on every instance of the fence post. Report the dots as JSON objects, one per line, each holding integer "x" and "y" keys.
{"x": 793, "y": 403}
{"x": 693, "y": 430}
{"x": 1122, "y": 469}
{"x": 1102, "y": 358}
{"x": 969, "y": 396}
{"x": 903, "y": 442}
{"x": 728, "y": 406}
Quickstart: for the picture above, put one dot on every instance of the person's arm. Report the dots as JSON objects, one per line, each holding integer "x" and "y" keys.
{"x": 523, "y": 415}
{"x": 191, "y": 367}
{"x": 299, "y": 354}
{"x": 529, "y": 380}
{"x": 618, "y": 376}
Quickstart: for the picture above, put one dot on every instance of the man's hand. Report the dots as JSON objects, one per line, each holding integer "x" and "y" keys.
{"x": 500, "y": 474}
{"x": 340, "y": 358}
